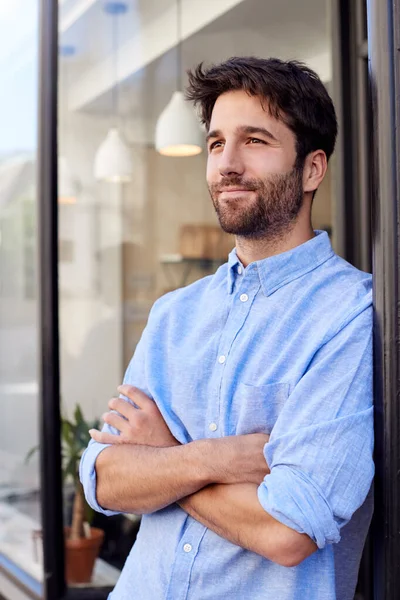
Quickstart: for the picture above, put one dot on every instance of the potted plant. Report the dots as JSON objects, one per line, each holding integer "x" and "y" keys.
{"x": 82, "y": 542}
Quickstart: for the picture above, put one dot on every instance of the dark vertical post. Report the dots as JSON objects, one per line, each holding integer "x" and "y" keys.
{"x": 52, "y": 514}
{"x": 352, "y": 204}
{"x": 345, "y": 202}
{"x": 383, "y": 50}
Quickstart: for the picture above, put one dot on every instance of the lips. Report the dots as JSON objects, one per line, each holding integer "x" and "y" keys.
{"x": 234, "y": 190}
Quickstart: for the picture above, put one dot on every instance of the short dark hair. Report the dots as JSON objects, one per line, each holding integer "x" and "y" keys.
{"x": 291, "y": 91}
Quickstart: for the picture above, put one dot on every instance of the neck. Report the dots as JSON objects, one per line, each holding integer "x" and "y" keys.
{"x": 249, "y": 250}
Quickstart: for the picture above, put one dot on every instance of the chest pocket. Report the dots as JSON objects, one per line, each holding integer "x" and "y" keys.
{"x": 255, "y": 409}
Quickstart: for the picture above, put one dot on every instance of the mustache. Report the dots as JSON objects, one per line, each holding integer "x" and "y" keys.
{"x": 250, "y": 185}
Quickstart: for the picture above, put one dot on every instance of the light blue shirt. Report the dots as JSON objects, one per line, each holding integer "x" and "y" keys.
{"x": 284, "y": 347}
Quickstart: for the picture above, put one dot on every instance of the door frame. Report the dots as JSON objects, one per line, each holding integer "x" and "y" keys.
{"x": 384, "y": 78}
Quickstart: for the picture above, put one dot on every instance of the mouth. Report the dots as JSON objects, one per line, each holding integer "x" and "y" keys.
{"x": 234, "y": 190}
{"x": 233, "y": 193}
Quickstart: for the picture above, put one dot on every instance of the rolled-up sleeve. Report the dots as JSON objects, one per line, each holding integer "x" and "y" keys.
{"x": 320, "y": 452}
{"x": 87, "y": 474}
{"x": 134, "y": 375}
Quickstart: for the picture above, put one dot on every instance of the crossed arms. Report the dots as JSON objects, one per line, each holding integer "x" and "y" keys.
{"x": 320, "y": 457}
{"x": 214, "y": 480}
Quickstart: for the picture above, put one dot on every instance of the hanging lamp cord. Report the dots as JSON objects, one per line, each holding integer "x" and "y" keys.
{"x": 179, "y": 45}
{"x": 115, "y": 67}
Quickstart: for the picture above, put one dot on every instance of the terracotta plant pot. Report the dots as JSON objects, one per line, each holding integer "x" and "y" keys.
{"x": 80, "y": 556}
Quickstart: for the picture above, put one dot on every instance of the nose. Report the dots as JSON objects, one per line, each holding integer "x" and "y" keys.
{"x": 230, "y": 161}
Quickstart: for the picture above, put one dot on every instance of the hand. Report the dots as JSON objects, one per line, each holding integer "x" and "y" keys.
{"x": 242, "y": 457}
{"x": 144, "y": 425}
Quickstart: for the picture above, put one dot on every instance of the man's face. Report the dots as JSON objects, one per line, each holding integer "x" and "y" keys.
{"x": 253, "y": 184}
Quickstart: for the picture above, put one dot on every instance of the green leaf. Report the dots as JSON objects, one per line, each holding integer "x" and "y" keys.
{"x": 78, "y": 416}
{"x": 96, "y": 424}
{"x": 82, "y": 435}
{"x": 67, "y": 431}
{"x": 75, "y": 438}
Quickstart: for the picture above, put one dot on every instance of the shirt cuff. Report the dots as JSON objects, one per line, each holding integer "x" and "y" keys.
{"x": 294, "y": 500}
{"x": 87, "y": 475}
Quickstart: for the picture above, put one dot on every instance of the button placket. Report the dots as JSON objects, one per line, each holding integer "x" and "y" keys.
{"x": 238, "y": 312}
{"x": 241, "y": 306}
{"x": 185, "y": 561}
{"x": 185, "y": 558}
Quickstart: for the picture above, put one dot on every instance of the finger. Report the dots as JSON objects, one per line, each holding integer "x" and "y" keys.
{"x": 136, "y": 395}
{"x": 124, "y": 407}
{"x": 111, "y": 418}
{"x": 103, "y": 437}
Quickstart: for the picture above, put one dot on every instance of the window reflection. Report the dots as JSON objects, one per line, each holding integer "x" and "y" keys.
{"x": 122, "y": 245}
{"x": 19, "y": 480}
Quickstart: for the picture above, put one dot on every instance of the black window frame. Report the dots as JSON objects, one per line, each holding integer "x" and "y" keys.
{"x": 384, "y": 152}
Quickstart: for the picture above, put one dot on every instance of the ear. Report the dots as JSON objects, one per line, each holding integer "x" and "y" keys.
{"x": 315, "y": 166}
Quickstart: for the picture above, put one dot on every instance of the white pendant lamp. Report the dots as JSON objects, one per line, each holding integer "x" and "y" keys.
{"x": 178, "y": 131}
{"x": 113, "y": 161}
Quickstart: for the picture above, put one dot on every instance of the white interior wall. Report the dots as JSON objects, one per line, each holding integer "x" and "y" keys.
{"x": 91, "y": 283}
{"x": 119, "y": 234}
{"x": 149, "y": 39}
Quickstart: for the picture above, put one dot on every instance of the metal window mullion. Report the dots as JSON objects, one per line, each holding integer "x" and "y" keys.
{"x": 50, "y": 444}
{"x": 362, "y": 141}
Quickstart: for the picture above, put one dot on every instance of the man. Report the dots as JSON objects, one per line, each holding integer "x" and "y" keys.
{"x": 246, "y": 441}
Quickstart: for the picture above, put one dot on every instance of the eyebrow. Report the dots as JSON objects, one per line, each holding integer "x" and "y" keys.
{"x": 242, "y": 129}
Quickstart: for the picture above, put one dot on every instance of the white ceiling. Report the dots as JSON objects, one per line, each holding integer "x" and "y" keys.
{"x": 90, "y": 31}
{"x": 284, "y": 28}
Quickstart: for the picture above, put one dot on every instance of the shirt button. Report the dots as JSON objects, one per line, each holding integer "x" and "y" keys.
{"x": 244, "y": 297}
{"x": 213, "y": 427}
{"x": 239, "y": 270}
{"x": 222, "y": 359}
{"x": 187, "y": 548}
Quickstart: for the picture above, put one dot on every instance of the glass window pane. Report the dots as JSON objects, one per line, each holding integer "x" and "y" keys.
{"x": 135, "y": 224}
{"x": 20, "y": 526}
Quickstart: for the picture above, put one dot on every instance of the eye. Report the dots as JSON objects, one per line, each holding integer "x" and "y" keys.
{"x": 256, "y": 140}
{"x": 216, "y": 144}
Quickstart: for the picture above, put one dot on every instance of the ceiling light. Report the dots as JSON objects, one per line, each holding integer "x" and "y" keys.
{"x": 178, "y": 131}
{"x": 113, "y": 161}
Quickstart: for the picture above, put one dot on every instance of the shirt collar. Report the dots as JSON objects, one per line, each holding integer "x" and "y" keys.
{"x": 276, "y": 271}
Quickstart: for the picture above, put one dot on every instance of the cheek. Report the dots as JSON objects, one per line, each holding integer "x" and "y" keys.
{"x": 212, "y": 169}
{"x": 264, "y": 164}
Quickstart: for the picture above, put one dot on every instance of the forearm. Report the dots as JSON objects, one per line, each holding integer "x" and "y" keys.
{"x": 234, "y": 513}
{"x": 143, "y": 479}
{"x": 139, "y": 478}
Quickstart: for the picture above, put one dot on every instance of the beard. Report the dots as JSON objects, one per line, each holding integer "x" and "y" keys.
{"x": 278, "y": 201}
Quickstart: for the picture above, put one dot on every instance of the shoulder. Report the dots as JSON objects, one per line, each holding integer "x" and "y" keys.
{"x": 347, "y": 293}
{"x": 349, "y": 283}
